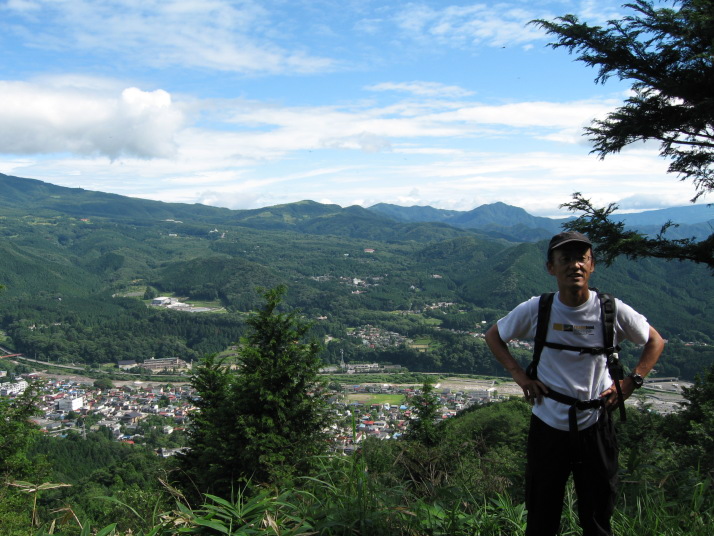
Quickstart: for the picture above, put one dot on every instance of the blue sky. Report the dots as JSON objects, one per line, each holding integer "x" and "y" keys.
{"x": 244, "y": 104}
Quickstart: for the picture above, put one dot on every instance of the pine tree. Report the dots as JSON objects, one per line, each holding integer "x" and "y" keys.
{"x": 265, "y": 421}
{"x": 426, "y": 408}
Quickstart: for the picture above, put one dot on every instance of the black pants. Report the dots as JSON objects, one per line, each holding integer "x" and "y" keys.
{"x": 550, "y": 462}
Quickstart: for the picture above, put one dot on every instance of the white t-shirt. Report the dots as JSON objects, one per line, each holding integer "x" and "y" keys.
{"x": 582, "y": 376}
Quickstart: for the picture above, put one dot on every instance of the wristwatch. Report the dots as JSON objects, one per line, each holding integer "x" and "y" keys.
{"x": 637, "y": 379}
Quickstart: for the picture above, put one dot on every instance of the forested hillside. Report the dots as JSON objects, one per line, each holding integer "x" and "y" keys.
{"x": 80, "y": 269}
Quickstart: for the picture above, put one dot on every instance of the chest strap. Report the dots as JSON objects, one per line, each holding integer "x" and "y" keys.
{"x": 597, "y": 350}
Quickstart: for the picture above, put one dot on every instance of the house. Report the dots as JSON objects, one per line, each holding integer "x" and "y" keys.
{"x": 132, "y": 417}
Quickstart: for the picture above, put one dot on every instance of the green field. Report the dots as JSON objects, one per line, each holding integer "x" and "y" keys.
{"x": 375, "y": 398}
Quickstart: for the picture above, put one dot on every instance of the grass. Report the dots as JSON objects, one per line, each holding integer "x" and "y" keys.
{"x": 375, "y": 398}
{"x": 344, "y": 498}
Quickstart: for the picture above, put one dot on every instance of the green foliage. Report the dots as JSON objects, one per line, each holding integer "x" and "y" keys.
{"x": 693, "y": 427}
{"x": 426, "y": 408}
{"x": 103, "y": 384}
{"x": 263, "y": 512}
{"x": 231, "y": 280}
{"x": 65, "y": 278}
{"x": 667, "y": 54}
{"x": 110, "y": 482}
{"x": 106, "y": 330}
{"x": 267, "y": 421}
{"x": 612, "y": 239}
{"x": 17, "y": 432}
{"x": 466, "y": 484}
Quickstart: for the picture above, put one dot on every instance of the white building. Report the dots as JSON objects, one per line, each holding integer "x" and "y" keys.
{"x": 70, "y": 404}
{"x": 15, "y": 388}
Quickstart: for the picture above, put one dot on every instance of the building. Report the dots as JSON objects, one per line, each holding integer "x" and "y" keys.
{"x": 70, "y": 404}
{"x": 171, "y": 364}
{"x": 9, "y": 389}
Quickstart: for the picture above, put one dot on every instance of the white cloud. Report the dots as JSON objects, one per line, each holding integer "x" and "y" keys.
{"x": 22, "y": 6}
{"x": 289, "y": 138}
{"x": 532, "y": 114}
{"x": 422, "y": 89}
{"x": 37, "y": 119}
{"x": 465, "y": 26}
{"x": 214, "y": 34}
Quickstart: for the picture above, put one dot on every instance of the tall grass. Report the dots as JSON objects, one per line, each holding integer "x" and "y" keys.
{"x": 344, "y": 498}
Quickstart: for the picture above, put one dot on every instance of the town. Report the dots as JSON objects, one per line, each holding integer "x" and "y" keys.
{"x": 137, "y": 412}
{"x": 73, "y": 405}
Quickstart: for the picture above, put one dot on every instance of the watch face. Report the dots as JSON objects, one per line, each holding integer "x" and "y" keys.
{"x": 637, "y": 379}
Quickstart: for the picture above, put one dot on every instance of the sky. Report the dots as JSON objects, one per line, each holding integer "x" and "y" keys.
{"x": 246, "y": 104}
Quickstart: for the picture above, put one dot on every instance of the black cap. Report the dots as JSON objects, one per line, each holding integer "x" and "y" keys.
{"x": 568, "y": 237}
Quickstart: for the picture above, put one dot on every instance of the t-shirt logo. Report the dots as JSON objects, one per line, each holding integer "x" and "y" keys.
{"x": 583, "y": 331}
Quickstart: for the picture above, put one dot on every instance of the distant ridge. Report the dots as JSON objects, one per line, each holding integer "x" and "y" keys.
{"x": 496, "y": 220}
{"x": 39, "y": 197}
{"x": 690, "y": 214}
{"x": 514, "y": 223}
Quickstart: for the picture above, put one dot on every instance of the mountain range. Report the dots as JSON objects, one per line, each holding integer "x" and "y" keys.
{"x": 513, "y": 223}
{"x": 496, "y": 220}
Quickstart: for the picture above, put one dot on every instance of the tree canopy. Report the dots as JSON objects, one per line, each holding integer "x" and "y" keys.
{"x": 668, "y": 54}
{"x": 265, "y": 420}
{"x": 612, "y": 239}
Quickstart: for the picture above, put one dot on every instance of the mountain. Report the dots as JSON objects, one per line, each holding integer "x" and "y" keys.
{"x": 415, "y": 213}
{"x": 515, "y": 224}
{"x": 497, "y": 220}
{"x": 30, "y": 196}
{"x": 41, "y": 198}
{"x": 691, "y": 214}
{"x": 694, "y": 221}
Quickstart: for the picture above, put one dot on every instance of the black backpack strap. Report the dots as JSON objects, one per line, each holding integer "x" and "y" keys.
{"x": 608, "y": 309}
{"x": 544, "y": 305}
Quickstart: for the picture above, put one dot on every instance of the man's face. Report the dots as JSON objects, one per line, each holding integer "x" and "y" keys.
{"x": 572, "y": 265}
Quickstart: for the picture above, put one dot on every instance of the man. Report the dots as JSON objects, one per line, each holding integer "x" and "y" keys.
{"x": 555, "y": 449}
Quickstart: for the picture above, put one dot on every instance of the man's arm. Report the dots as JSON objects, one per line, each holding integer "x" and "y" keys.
{"x": 648, "y": 359}
{"x": 532, "y": 389}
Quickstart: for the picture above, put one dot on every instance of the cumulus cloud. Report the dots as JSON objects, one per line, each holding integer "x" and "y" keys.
{"x": 38, "y": 118}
